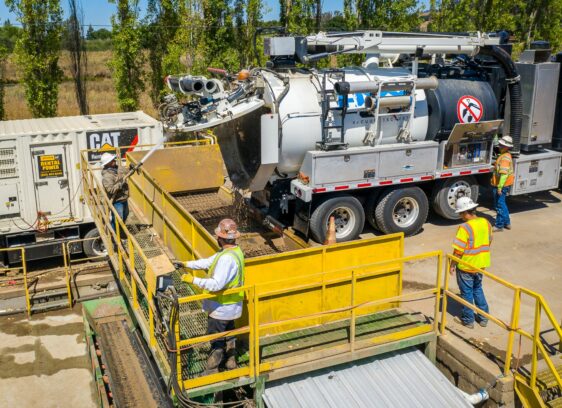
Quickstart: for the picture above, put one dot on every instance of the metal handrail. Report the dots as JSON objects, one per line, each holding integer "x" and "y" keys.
{"x": 23, "y": 268}
{"x": 513, "y": 326}
{"x": 253, "y": 296}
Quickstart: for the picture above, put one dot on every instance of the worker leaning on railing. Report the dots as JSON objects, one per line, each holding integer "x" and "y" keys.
{"x": 114, "y": 181}
{"x": 225, "y": 271}
{"x": 471, "y": 245}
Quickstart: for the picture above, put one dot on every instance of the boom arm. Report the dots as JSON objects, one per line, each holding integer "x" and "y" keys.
{"x": 379, "y": 42}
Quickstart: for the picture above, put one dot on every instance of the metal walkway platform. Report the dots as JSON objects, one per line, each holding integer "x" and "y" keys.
{"x": 401, "y": 379}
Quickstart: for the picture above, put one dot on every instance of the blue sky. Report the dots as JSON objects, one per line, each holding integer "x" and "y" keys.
{"x": 98, "y": 12}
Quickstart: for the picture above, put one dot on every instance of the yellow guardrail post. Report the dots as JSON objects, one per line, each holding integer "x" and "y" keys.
{"x": 353, "y": 312}
{"x": 177, "y": 333}
{"x": 445, "y": 297}
{"x": 67, "y": 271}
{"x": 438, "y": 295}
{"x": 249, "y": 293}
{"x": 536, "y": 341}
{"x": 513, "y": 327}
{"x": 24, "y": 267}
{"x": 255, "y": 325}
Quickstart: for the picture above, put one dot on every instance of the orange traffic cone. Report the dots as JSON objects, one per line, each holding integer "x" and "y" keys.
{"x": 331, "y": 235}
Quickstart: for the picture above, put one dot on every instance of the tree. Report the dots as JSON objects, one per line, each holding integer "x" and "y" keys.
{"x": 37, "y": 52}
{"x": 78, "y": 56}
{"x": 128, "y": 59}
{"x": 163, "y": 21}
{"x": 299, "y": 16}
{"x": 90, "y": 33}
{"x": 248, "y": 14}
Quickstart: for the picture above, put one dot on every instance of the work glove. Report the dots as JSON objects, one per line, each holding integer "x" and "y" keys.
{"x": 187, "y": 278}
{"x": 178, "y": 264}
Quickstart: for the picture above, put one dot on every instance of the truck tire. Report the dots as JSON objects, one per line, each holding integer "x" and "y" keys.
{"x": 94, "y": 247}
{"x": 447, "y": 192}
{"x": 402, "y": 210}
{"x": 350, "y": 218}
{"x": 371, "y": 208}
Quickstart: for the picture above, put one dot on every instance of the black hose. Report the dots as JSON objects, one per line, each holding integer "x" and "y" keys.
{"x": 514, "y": 85}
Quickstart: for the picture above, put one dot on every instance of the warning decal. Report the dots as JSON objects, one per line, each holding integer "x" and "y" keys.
{"x": 469, "y": 109}
{"x": 50, "y": 165}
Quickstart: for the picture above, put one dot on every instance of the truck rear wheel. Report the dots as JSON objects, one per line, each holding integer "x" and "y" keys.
{"x": 447, "y": 192}
{"x": 349, "y": 214}
{"x": 402, "y": 210}
{"x": 94, "y": 247}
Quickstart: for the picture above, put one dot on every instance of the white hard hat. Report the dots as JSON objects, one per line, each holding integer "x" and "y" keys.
{"x": 107, "y": 158}
{"x": 227, "y": 229}
{"x": 506, "y": 141}
{"x": 464, "y": 204}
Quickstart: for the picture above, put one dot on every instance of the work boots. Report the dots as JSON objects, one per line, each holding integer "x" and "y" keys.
{"x": 231, "y": 363}
{"x": 214, "y": 360}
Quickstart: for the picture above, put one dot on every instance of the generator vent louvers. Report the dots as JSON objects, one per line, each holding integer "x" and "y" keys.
{"x": 8, "y": 164}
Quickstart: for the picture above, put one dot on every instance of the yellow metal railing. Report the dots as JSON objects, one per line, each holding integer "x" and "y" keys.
{"x": 260, "y": 323}
{"x": 24, "y": 277}
{"x": 69, "y": 262}
{"x": 513, "y": 326}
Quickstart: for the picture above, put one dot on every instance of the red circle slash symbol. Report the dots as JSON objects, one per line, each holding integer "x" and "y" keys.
{"x": 469, "y": 109}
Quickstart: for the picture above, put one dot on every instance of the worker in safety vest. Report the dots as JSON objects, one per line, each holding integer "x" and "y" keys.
{"x": 502, "y": 180}
{"x": 225, "y": 271}
{"x": 471, "y": 245}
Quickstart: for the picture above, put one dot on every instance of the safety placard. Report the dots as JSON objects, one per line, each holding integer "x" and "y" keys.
{"x": 469, "y": 109}
{"x": 50, "y": 165}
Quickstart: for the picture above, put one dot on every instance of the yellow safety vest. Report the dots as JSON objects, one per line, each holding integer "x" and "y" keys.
{"x": 473, "y": 240}
{"x": 238, "y": 280}
{"x": 504, "y": 165}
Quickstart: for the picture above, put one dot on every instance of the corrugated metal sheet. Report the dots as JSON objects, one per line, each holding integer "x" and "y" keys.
{"x": 74, "y": 123}
{"x": 401, "y": 379}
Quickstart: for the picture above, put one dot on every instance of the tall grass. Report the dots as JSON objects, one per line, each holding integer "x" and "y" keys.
{"x": 101, "y": 92}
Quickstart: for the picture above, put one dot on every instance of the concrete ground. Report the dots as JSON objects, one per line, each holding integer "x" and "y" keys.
{"x": 530, "y": 255}
{"x": 44, "y": 362}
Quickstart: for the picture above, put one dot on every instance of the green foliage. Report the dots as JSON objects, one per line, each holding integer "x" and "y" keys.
{"x": 37, "y": 52}
{"x": 163, "y": 21}
{"x": 216, "y": 47}
{"x": 385, "y": 15}
{"x": 101, "y": 34}
{"x": 9, "y": 34}
{"x": 128, "y": 58}
{"x": 99, "y": 45}
{"x": 298, "y": 16}
{"x": 526, "y": 20}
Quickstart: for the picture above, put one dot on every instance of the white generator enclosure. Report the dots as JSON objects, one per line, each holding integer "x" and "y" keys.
{"x": 41, "y": 201}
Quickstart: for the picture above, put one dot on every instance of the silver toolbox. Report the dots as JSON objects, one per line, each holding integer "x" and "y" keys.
{"x": 536, "y": 172}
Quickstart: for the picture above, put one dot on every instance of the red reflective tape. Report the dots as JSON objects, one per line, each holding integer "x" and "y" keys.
{"x": 424, "y": 178}
{"x": 446, "y": 174}
{"x": 483, "y": 170}
{"x": 464, "y": 173}
{"x": 386, "y": 182}
{"x": 319, "y": 190}
{"x": 407, "y": 180}
{"x": 341, "y": 188}
{"x": 364, "y": 185}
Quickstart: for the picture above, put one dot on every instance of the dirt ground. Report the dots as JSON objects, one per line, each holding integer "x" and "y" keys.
{"x": 530, "y": 255}
{"x": 44, "y": 362}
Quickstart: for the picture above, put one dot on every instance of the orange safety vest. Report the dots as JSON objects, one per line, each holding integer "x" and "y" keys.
{"x": 504, "y": 165}
{"x": 473, "y": 240}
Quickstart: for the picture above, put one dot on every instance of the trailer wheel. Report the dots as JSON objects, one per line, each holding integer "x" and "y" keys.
{"x": 94, "y": 247}
{"x": 402, "y": 210}
{"x": 350, "y": 218}
{"x": 447, "y": 192}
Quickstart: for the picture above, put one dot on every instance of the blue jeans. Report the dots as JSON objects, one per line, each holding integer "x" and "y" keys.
{"x": 122, "y": 208}
{"x": 470, "y": 285}
{"x": 502, "y": 213}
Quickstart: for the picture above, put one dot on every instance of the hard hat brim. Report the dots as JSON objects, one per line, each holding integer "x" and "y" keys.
{"x": 505, "y": 144}
{"x": 467, "y": 208}
{"x": 224, "y": 235}
{"x": 108, "y": 160}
